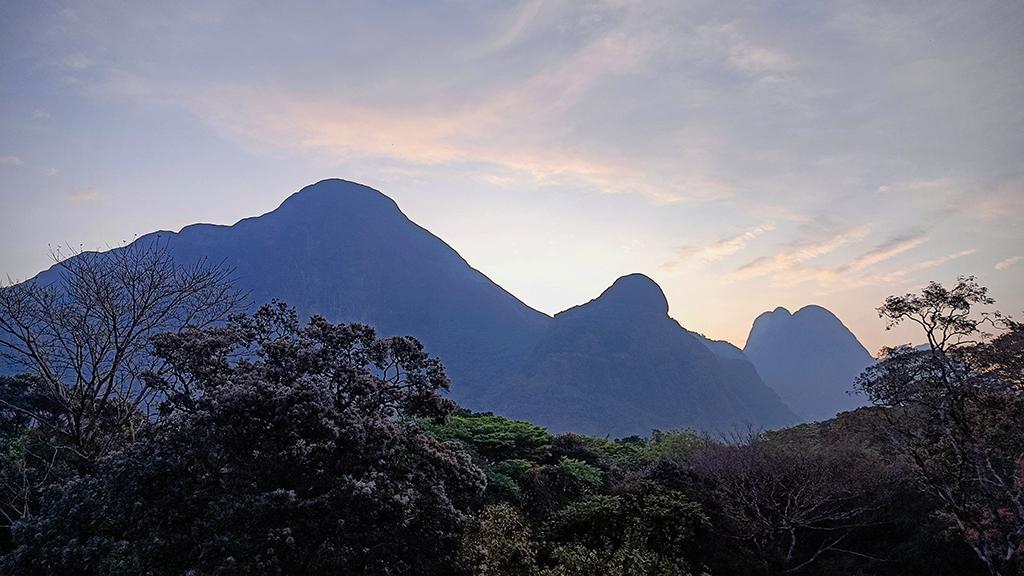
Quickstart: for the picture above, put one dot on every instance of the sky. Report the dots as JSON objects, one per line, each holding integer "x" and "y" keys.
{"x": 745, "y": 155}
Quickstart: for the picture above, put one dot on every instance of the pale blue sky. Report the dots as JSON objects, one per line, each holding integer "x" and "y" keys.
{"x": 745, "y": 155}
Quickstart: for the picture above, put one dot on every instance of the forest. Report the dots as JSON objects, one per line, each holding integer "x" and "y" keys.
{"x": 150, "y": 423}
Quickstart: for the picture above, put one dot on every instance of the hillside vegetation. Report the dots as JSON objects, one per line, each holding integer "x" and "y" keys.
{"x": 259, "y": 444}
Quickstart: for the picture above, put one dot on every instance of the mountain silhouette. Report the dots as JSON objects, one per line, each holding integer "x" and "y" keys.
{"x": 617, "y": 365}
{"x": 620, "y": 365}
{"x": 810, "y": 358}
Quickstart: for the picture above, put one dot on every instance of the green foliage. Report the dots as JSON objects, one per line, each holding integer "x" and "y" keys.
{"x": 671, "y": 444}
{"x": 647, "y": 530}
{"x": 515, "y": 469}
{"x": 495, "y": 438}
{"x": 580, "y": 472}
{"x": 501, "y": 487}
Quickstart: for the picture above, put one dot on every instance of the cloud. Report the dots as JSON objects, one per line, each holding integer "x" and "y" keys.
{"x": 10, "y": 161}
{"x": 788, "y": 261}
{"x": 715, "y": 251}
{"x": 1009, "y": 262}
{"x": 88, "y": 194}
{"x": 943, "y": 259}
{"x": 516, "y": 125}
{"x": 1005, "y": 202}
{"x": 886, "y": 251}
{"x": 797, "y": 263}
{"x": 758, "y": 60}
{"x": 40, "y": 115}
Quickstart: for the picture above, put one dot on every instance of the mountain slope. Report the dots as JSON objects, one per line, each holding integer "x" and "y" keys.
{"x": 810, "y": 358}
{"x": 620, "y": 365}
{"x": 347, "y": 252}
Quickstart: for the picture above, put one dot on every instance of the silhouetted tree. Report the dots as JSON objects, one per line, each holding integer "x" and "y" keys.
{"x": 84, "y": 334}
{"x": 81, "y": 334}
{"x": 955, "y": 408}
{"x": 284, "y": 449}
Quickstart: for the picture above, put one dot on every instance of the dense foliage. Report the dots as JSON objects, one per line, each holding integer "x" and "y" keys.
{"x": 282, "y": 448}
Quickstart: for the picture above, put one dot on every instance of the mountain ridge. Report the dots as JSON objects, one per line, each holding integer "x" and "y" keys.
{"x": 347, "y": 252}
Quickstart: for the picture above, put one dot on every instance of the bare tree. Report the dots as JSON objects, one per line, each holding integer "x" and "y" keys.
{"x": 787, "y": 504}
{"x": 955, "y": 409}
{"x": 83, "y": 332}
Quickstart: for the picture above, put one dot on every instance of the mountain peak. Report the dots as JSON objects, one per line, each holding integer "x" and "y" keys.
{"x": 631, "y": 295}
{"x": 636, "y": 293}
{"x": 810, "y": 358}
{"x": 815, "y": 311}
{"x": 335, "y": 195}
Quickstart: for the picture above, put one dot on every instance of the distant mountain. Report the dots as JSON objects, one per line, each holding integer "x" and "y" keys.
{"x": 737, "y": 367}
{"x": 616, "y": 365}
{"x": 620, "y": 365}
{"x": 810, "y": 358}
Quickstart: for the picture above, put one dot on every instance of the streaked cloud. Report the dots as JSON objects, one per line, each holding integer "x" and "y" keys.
{"x": 804, "y": 262}
{"x": 787, "y": 264}
{"x": 715, "y": 251}
{"x": 1005, "y": 202}
{"x": 927, "y": 264}
{"x": 1009, "y": 262}
{"x": 10, "y": 161}
{"x": 886, "y": 251}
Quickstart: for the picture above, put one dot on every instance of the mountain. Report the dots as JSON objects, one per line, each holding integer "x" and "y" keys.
{"x": 620, "y": 365}
{"x": 616, "y": 365}
{"x": 810, "y": 358}
{"x": 737, "y": 367}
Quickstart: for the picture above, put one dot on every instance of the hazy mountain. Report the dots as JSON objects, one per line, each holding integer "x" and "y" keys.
{"x": 616, "y": 365}
{"x": 737, "y": 367}
{"x": 810, "y": 358}
{"x": 620, "y": 365}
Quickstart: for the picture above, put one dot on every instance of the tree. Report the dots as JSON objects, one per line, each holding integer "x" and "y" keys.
{"x": 498, "y": 542}
{"x": 284, "y": 449}
{"x": 955, "y": 409}
{"x": 494, "y": 438}
{"x": 84, "y": 334}
{"x": 81, "y": 335}
{"x": 647, "y": 529}
{"x": 788, "y": 505}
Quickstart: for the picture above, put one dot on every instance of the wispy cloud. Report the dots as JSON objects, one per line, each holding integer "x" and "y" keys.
{"x": 715, "y": 251}
{"x": 1005, "y": 202}
{"x": 788, "y": 261}
{"x": 885, "y": 251}
{"x": 88, "y": 194}
{"x": 943, "y": 259}
{"x": 40, "y": 115}
{"x": 10, "y": 161}
{"x": 799, "y": 263}
{"x": 1009, "y": 262}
